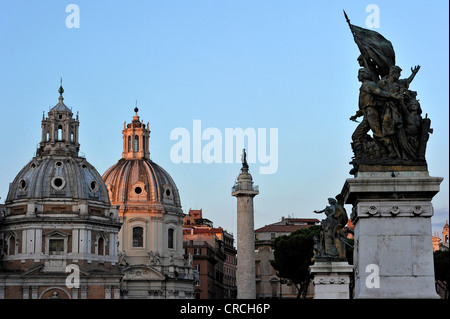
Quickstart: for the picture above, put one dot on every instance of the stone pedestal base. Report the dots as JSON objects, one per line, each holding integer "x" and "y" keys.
{"x": 393, "y": 253}
{"x": 331, "y": 280}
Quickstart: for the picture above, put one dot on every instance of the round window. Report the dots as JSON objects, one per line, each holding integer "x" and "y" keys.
{"x": 93, "y": 185}
{"x": 168, "y": 192}
{"x": 23, "y": 184}
{"x": 58, "y": 183}
{"x": 58, "y": 163}
{"x": 138, "y": 190}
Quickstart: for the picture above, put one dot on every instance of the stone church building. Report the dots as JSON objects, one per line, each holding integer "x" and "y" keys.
{"x": 58, "y": 230}
{"x": 151, "y": 238}
{"x": 67, "y": 232}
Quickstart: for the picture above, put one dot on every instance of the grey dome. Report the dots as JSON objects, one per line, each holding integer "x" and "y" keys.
{"x": 58, "y": 177}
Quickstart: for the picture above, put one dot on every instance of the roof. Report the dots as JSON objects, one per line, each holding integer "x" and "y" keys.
{"x": 350, "y": 224}
{"x": 58, "y": 177}
{"x": 302, "y": 220}
{"x": 140, "y": 180}
{"x": 280, "y": 228}
{"x": 60, "y": 107}
{"x": 202, "y": 230}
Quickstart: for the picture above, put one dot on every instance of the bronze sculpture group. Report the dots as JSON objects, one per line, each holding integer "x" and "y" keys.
{"x": 390, "y": 110}
{"x": 393, "y": 115}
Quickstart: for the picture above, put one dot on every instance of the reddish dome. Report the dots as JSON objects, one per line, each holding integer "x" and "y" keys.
{"x": 137, "y": 183}
{"x": 140, "y": 180}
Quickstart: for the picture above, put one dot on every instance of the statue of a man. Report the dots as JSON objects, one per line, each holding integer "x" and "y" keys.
{"x": 392, "y": 119}
{"x": 244, "y": 159}
{"x": 371, "y": 100}
{"x": 330, "y": 244}
{"x": 122, "y": 259}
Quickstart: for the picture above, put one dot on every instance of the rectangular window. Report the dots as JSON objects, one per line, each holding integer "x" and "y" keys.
{"x": 170, "y": 238}
{"x": 136, "y": 143}
{"x": 56, "y": 246}
{"x": 138, "y": 237}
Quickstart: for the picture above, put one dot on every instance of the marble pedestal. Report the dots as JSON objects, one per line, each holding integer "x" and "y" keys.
{"x": 393, "y": 253}
{"x": 331, "y": 279}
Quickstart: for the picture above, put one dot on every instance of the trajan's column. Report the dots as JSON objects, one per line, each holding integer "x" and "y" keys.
{"x": 245, "y": 191}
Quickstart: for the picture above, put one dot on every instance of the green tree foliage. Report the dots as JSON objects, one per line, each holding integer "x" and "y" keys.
{"x": 293, "y": 254}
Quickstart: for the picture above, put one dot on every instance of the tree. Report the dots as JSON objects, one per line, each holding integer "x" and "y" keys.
{"x": 293, "y": 254}
{"x": 442, "y": 269}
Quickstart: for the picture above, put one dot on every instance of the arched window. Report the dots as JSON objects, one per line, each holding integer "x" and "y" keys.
{"x": 60, "y": 133}
{"x": 101, "y": 246}
{"x": 12, "y": 245}
{"x": 129, "y": 143}
{"x": 138, "y": 237}
{"x": 136, "y": 143}
{"x": 143, "y": 143}
{"x": 170, "y": 238}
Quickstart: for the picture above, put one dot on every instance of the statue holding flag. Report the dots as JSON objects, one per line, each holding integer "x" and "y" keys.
{"x": 389, "y": 109}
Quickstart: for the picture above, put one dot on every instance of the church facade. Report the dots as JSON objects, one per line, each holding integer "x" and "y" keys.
{"x": 58, "y": 230}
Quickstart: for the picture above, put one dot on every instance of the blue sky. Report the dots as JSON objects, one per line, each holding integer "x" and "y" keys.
{"x": 289, "y": 65}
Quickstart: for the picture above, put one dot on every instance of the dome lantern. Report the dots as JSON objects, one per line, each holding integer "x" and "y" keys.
{"x": 59, "y": 131}
{"x": 135, "y": 139}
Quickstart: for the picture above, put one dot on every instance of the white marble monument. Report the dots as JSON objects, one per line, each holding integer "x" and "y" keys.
{"x": 392, "y": 210}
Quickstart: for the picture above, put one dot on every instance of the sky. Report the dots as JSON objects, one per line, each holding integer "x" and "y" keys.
{"x": 258, "y": 65}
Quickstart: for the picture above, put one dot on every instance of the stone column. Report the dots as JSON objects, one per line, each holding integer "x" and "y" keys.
{"x": 116, "y": 292}
{"x": 84, "y": 290}
{"x": 74, "y": 293}
{"x": 393, "y": 255}
{"x": 34, "y": 292}
{"x": 26, "y": 292}
{"x": 245, "y": 274}
{"x": 107, "y": 292}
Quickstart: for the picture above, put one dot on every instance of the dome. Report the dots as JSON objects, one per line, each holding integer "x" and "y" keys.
{"x": 136, "y": 182}
{"x": 58, "y": 177}
{"x": 57, "y": 172}
{"x": 141, "y": 180}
